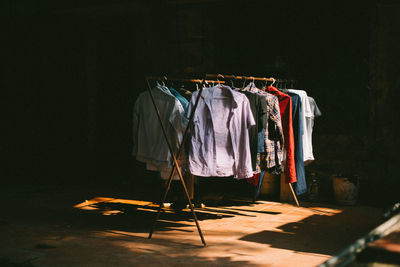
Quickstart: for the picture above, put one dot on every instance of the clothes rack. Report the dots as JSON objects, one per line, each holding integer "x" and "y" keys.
{"x": 176, "y": 166}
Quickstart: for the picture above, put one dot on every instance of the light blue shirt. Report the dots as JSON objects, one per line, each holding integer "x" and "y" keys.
{"x": 219, "y": 145}
{"x": 181, "y": 99}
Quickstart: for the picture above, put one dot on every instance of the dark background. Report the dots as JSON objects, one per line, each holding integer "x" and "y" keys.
{"x": 73, "y": 69}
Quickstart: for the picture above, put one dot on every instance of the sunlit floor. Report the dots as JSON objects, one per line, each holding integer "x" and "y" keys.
{"x": 65, "y": 228}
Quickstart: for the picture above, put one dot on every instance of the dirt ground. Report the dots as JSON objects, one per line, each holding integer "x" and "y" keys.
{"x": 76, "y": 226}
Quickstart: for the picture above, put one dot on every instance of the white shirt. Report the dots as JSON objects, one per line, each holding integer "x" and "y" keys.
{"x": 307, "y": 121}
{"x": 315, "y": 113}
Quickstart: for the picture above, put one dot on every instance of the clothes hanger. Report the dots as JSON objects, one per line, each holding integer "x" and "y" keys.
{"x": 273, "y": 81}
{"x": 260, "y": 84}
{"x": 218, "y": 82}
{"x": 233, "y": 77}
{"x": 220, "y": 75}
{"x": 252, "y": 84}
{"x": 265, "y": 84}
{"x": 244, "y": 83}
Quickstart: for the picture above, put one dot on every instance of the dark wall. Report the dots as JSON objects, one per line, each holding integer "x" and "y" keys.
{"x": 384, "y": 134}
{"x": 72, "y": 75}
{"x": 74, "y": 71}
{"x": 322, "y": 44}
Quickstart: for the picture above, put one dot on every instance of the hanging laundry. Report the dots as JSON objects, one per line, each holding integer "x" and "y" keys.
{"x": 149, "y": 144}
{"x": 219, "y": 144}
{"x": 271, "y": 155}
{"x": 274, "y": 138}
{"x": 285, "y": 106}
{"x": 300, "y": 187}
{"x": 270, "y": 138}
{"x": 258, "y": 106}
{"x": 307, "y": 114}
{"x": 181, "y": 99}
{"x": 315, "y": 112}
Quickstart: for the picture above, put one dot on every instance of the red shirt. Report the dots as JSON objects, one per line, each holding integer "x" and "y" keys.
{"x": 285, "y": 105}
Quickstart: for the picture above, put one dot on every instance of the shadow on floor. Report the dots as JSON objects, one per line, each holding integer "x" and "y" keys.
{"x": 319, "y": 233}
{"x": 139, "y": 217}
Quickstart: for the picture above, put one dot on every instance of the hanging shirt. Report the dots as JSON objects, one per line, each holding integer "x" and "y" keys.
{"x": 270, "y": 138}
{"x": 274, "y": 133}
{"x": 307, "y": 114}
{"x": 219, "y": 144}
{"x": 270, "y": 158}
{"x": 315, "y": 112}
{"x": 149, "y": 144}
{"x": 270, "y": 153}
{"x": 285, "y": 107}
{"x": 258, "y": 106}
{"x": 300, "y": 187}
{"x": 181, "y": 99}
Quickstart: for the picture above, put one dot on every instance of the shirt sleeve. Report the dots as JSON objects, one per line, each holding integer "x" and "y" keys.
{"x": 317, "y": 111}
{"x": 250, "y": 122}
{"x": 178, "y": 120}
{"x": 275, "y": 114}
{"x": 263, "y": 112}
{"x": 191, "y": 105}
{"x": 290, "y": 168}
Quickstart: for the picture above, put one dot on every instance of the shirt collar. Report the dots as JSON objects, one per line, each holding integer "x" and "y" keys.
{"x": 274, "y": 90}
{"x": 164, "y": 89}
{"x": 207, "y": 94}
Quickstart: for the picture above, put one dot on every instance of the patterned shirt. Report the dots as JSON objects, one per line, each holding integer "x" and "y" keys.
{"x": 273, "y": 140}
{"x": 274, "y": 133}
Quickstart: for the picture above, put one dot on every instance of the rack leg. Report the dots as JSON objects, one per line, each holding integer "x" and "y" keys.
{"x": 176, "y": 164}
{"x": 161, "y": 203}
{"x": 294, "y": 194}
{"x": 188, "y": 198}
{"x": 193, "y": 212}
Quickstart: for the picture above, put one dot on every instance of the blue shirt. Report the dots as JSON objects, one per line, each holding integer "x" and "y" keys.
{"x": 181, "y": 99}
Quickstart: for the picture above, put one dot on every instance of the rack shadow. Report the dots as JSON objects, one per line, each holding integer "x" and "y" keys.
{"x": 139, "y": 217}
{"x": 322, "y": 234}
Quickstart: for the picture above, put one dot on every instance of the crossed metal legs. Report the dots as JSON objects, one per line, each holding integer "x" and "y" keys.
{"x": 176, "y": 166}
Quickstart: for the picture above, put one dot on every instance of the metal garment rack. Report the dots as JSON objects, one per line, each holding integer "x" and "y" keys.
{"x": 273, "y": 80}
{"x": 176, "y": 166}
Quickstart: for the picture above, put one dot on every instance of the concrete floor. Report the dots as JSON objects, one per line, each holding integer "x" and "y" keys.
{"x": 72, "y": 227}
